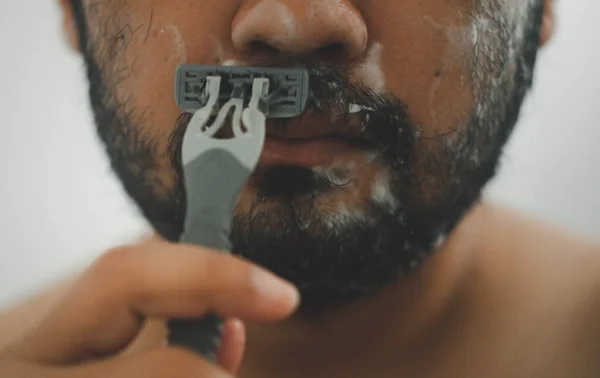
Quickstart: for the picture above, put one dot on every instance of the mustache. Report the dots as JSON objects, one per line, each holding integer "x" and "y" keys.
{"x": 387, "y": 128}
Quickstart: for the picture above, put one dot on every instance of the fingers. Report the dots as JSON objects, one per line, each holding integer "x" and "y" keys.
{"x": 165, "y": 363}
{"x": 232, "y": 345}
{"x": 156, "y": 279}
{"x": 186, "y": 281}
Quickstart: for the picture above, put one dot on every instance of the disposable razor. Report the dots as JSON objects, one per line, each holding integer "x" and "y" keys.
{"x": 216, "y": 168}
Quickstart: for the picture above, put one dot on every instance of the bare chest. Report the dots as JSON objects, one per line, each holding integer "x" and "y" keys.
{"x": 479, "y": 353}
{"x": 509, "y": 333}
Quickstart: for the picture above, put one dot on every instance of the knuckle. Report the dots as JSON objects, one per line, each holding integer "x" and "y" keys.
{"x": 113, "y": 266}
{"x": 115, "y": 260}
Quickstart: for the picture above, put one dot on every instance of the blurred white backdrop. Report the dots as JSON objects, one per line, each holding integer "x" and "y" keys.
{"x": 61, "y": 206}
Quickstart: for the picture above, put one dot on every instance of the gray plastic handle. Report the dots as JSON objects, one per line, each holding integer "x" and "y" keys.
{"x": 213, "y": 181}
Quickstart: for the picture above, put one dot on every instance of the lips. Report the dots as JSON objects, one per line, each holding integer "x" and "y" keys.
{"x": 322, "y": 135}
{"x": 317, "y": 138}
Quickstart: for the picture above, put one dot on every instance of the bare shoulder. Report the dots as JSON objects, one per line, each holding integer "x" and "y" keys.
{"x": 555, "y": 271}
{"x": 507, "y": 232}
{"x": 533, "y": 231}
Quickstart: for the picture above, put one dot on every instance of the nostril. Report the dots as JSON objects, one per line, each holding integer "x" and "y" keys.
{"x": 257, "y": 46}
{"x": 332, "y": 50}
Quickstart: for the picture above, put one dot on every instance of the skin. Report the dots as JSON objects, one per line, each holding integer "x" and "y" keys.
{"x": 351, "y": 219}
{"x": 503, "y": 296}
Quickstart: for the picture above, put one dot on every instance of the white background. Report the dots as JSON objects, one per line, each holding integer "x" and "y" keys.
{"x": 60, "y": 206}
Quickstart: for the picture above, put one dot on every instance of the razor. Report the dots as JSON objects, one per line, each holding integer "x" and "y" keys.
{"x": 216, "y": 168}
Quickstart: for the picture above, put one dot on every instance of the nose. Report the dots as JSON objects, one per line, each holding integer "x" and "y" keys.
{"x": 300, "y": 27}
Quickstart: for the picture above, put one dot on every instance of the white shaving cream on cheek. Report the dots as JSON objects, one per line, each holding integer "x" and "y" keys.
{"x": 382, "y": 191}
{"x": 179, "y": 48}
{"x": 498, "y": 33}
{"x": 459, "y": 41}
{"x": 344, "y": 218}
{"x": 457, "y": 55}
{"x": 370, "y": 73}
{"x": 485, "y": 22}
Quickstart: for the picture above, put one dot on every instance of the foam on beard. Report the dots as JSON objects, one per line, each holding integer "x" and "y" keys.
{"x": 346, "y": 208}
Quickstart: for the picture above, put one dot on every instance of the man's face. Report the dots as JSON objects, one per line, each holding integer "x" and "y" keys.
{"x": 371, "y": 194}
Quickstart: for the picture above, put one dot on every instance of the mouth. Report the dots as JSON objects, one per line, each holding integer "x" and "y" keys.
{"x": 333, "y": 128}
{"x": 318, "y": 138}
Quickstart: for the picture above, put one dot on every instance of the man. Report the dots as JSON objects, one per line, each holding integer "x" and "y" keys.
{"x": 393, "y": 265}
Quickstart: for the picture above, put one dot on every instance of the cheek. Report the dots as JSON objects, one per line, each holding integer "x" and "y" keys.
{"x": 140, "y": 48}
{"x": 425, "y": 53}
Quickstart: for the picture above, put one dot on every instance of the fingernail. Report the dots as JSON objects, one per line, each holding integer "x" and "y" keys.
{"x": 276, "y": 289}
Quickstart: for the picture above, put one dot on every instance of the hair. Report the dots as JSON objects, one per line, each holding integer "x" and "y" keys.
{"x": 392, "y": 240}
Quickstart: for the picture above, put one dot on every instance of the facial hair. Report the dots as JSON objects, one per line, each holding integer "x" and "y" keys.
{"x": 331, "y": 264}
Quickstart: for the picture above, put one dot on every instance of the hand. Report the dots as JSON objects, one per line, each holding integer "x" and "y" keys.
{"x": 86, "y": 333}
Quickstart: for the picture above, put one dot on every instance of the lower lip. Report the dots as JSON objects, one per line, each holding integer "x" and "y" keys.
{"x": 305, "y": 152}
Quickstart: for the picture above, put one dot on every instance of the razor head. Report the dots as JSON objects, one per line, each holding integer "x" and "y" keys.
{"x": 288, "y": 97}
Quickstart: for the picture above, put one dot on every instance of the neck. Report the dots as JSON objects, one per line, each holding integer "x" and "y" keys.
{"x": 398, "y": 317}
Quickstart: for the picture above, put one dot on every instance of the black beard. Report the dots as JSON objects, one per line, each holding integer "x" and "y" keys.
{"x": 352, "y": 261}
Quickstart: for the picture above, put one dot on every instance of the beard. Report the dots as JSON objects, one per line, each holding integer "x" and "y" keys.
{"x": 333, "y": 257}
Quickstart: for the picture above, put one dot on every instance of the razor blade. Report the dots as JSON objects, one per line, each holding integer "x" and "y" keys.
{"x": 215, "y": 170}
{"x": 289, "y": 93}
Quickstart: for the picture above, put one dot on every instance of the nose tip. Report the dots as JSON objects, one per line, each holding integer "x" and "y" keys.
{"x": 300, "y": 27}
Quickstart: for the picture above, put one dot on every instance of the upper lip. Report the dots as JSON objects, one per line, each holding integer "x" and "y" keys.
{"x": 314, "y": 123}
{"x": 331, "y": 121}
{"x": 316, "y": 138}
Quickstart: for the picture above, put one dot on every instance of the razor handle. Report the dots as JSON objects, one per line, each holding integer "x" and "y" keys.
{"x": 213, "y": 182}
